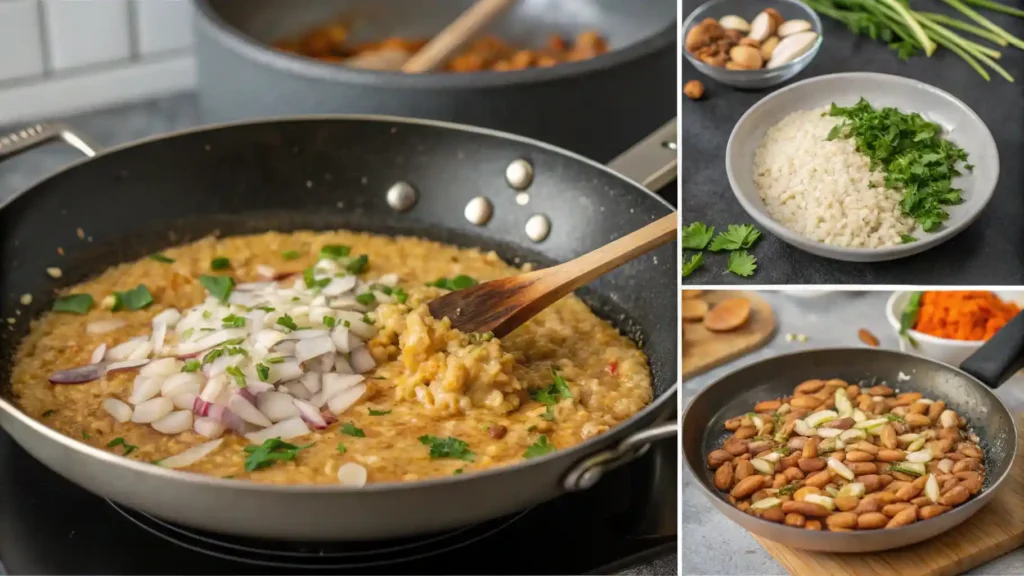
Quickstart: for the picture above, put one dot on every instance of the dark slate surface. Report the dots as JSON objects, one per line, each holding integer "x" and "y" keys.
{"x": 989, "y": 252}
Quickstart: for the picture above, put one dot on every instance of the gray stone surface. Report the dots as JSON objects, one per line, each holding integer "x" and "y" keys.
{"x": 988, "y": 252}
{"x": 712, "y": 544}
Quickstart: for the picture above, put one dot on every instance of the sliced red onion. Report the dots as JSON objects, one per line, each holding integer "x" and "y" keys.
{"x": 285, "y": 430}
{"x": 328, "y": 417}
{"x": 333, "y": 384}
{"x": 234, "y": 422}
{"x": 352, "y": 475}
{"x": 185, "y": 401}
{"x": 311, "y": 414}
{"x": 339, "y": 286}
{"x": 296, "y": 389}
{"x": 246, "y": 411}
{"x": 152, "y": 410}
{"x": 212, "y": 339}
{"x": 117, "y": 409}
{"x": 174, "y": 423}
{"x": 214, "y": 389}
{"x": 161, "y": 367}
{"x": 287, "y": 370}
{"x": 190, "y": 456}
{"x": 97, "y": 354}
{"x": 144, "y": 389}
{"x": 341, "y": 365}
{"x": 344, "y": 340}
{"x": 123, "y": 350}
{"x": 168, "y": 318}
{"x": 276, "y": 406}
{"x": 201, "y": 407}
{"x": 79, "y": 375}
{"x": 104, "y": 326}
{"x": 361, "y": 360}
{"x": 159, "y": 336}
{"x": 311, "y": 381}
{"x": 216, "y": 411}
{"x": 341, "y": 402}
{"x": 209, "y": 427}
{"x": 126, "y": 365}
{"x": 182, "y": 383}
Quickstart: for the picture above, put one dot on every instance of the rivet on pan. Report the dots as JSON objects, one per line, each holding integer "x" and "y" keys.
{"x": 479, "y": 210}
{"x": 519, "y": 174}
{"x": 538, "y": 227}
{"x": 669, "y": 144}
{"x": 522, "y": 198}
{"x": 401, "y": 196}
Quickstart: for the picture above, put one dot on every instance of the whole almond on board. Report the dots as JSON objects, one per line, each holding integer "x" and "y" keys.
{"x": 748, "y": 486}
{"x": 806, "y": 509}
{"x": 905, "y": 517}
{"x": 727, "y": 315}
{"x": 867, "y": 338}
{"x": 872, "y": 521}
{"x": 694, "y": 310}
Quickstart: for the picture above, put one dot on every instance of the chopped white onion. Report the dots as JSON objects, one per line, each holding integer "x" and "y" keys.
{"x": 324, "y": 363}
{"x": 285, "y": 430}
{"x": 267, "y": 339}
{"x": 310, "y": 414}
{"x": 341, "y": 365}
{"x": 287, "y": 370}
{"x": 214, "y": 389}
{"x": 168, "y": 318}
{"x": 306, "y": 334}
{"x": 190, "y": 456}
{"x": 313, "y": 348}
{"x": 174, "y": 423}
{"x": 162, "y": 367}
{"x": 276, "y": 406}
{"x": 212, "y": 339}
{"x": 185, "y": 401}
{"x": 119, "y": 410}
{"x": 104, "y": 326}
{"x": 296, "y": 389}
{"x": 334, "y": 384}
{"x": 182, "y": 383}
{"x": 209, "y": 427}
{"x": 266, "y": 271}
{"x": 344, "y": 340}
{"x": 339, "y": 286}
{"x": 388, "y": 280}
{"x": 123, "y": 350}
{"x": 246, "y": 411}
{"x": 256, "y": 320}
{"x": 126, "y": 365}
{"x": 341, "y": 402}
{"x": 143, "y": 351}
{"x": 311, "y": 381}
{"x": 159, "y": 336}
{"x": 285, "y": 348}
{"x": 152, "y": 410}
{"x": 318, "y": 400}
{"x": 361, "y": 360}
{"x": 360, "y": 329}
{"x": 97, "y": 354}
{"x": 352, "y": 474}
{"x": 144, "y": 389}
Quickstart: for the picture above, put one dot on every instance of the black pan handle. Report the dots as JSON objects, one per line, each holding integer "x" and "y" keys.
{"x": 999, "y": 358}
{"x": 36, "y": 135}
{"x": 653, "y": 161}
{"x": 586, "y": 473}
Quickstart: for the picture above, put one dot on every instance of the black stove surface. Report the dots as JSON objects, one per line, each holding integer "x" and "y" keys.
{"x": 625, "y": 523}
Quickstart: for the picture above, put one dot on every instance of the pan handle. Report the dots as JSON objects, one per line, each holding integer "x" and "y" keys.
{"x": 652, "y": 162}
{"x": 586, "y": 473}
{"x": 999, "y": 358}
{"x": 36, "y": 135}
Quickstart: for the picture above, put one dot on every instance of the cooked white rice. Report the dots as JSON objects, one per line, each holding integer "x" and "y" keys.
{"x": 824, "y": 190}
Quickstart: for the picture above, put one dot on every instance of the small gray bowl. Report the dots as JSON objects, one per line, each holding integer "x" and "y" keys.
{"x": 748, "y": 9}
{"x": 959, "y": 123}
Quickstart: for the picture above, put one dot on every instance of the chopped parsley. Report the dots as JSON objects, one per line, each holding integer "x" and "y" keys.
{"x": 341, "y": 448}
{"x": 366, "y": 320}
{"x": 554, "y": 392}
{"x": 287, "y": 322}
{"x": 135, "y": 299}
{"x": 691, "y": 265}
{"x": 788, "y": 489}
{"x": 330, "y": 321}
{"x": 73, "y": 304}
{"x": 263, "y": 372}
{"x": 400, "y": 295}
{"x": 86, "y": 435}
{"x": 128, "y": 448}
{"x": 290, "y": 255}
{"x": 350, "y": 429}
{"x": 267, "y": 309}
{"x": 311, "y": 281}
{"x": 539, "y": 448}
{"x": 213, "y": 355}
{"x": 191, "y": 365}
{"x": 907, "y": 238}
{"x": 274, "y": 360}
{"x": 449, "y": 447}
{"x": 220, "y": 263}
{"x": 460, "y": 282}
{"x": 366, "y": 299}
{"x": 233, "y": 321}
{"x": 236, "y": 373}
{"x": 220, "y": 287}
{"x": 737, "y": 237}
{"x": 695, "y": 236}
{"x": 161, "y": 258}
{"x": 457, "y": 472}
{"x": 378, "y": 412}
{"x": 549, "y": 413}
{"x": 272, "y": 450}
{"x": 742, "y": 263}
{"x": 358, "y": 265}
{"x": 334, "y": 252}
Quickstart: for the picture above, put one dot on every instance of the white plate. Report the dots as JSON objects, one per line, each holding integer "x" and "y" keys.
{"x": 960, "y": 123}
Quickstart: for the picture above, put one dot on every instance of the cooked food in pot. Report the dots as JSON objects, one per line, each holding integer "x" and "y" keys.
{"x": 840, "y": 456}
{"x": 311, "y": 358}
{"x": 330, "y": 44}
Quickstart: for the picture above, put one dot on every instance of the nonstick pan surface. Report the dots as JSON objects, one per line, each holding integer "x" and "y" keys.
{"x": 736, "y": 393}
{"x": 322, "y": 173}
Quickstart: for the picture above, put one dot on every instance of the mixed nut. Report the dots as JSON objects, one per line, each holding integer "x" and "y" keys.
{"x": 842, "y": 456}
{"x": 767, "y": 41}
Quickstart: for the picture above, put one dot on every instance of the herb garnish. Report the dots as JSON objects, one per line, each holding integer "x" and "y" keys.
{"x": 366, "y": 299}
{"x": 788, "y": 489}
{"x": 263, "y": 372}
{"x": 233, "y": 321}
{"x": 236, "y": 373}
{"x": 460, "y": 282}
{"x": 290, "y": 255}
{"x": 450, "y": 447}
{"x": 696, "y": 236}
{"x": 330, "y": 321}
{"x": 287, "y": 322}
{"x": 334, "y": 251}
{"x": 161, "y": 258}
{"x": 274, "y": 360}
{"x": 310, "y": 278}
{"x": 895, "y": 418}
{"x": 73, "y": 304}
{"x": 539, "y": 448}
{"x": 220, "y": 287}
{"x": 272, "y": 450}
{"x": 350, "y": 429}
{"x": 191, "y": 365}
{"x": 554, "y": 392}
{"x": 691, "y": 265}
{"x": 735, "y": 238}
{"x": 378, "y": 412}
{"x": 341, "y": 448}
{"x": 220, "y": 263}
{"x": 135, "y": 299}
{"x": 358, "y": 266}
{"x": 742, "y": 263}
{"x": 128, "y": 448}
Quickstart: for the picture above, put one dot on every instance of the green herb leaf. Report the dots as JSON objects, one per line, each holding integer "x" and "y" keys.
{"x": 742, "y": 263}
{"x": 907, "y": 238}
{"x": 696, "y": 236}
{"x": 378, "y": 412}
{"x": 220, "y": 287}
{"x": 788, "y": 489}
{"x": 220, "y": 263}
{"x": 213, "y": 355}
{"x": 539, "y": 448}
{"x": 358, "y": 265}
{"x": 263, "y": 372}
{"x": 691, "y": 265}
{"x": 287, "y": 322}
{"x": 233, "y": 321}
{"x": 135, "y": 299}
{"x": 191, "y": 365}
{"x": 272, "y": 450}
{"x": 290, "y": 255}
{"x": 274, "y": 360}
{"x": 128, "y": 448}
{"x": 366, "y": 299}
{"x": 400, "y": 295}
{"x": 908, "y": 319}
{"x": 73, "y": 304}
{"x": 457, "y": 472}
{"x": 735, "y": 238}
{"x": 236, "y": 373}
{"x": 161, "y": 258}
{"x": 341, "y": 448}
{"x": 350, "y": 429}
{"x": 334, "y": 251}
{"x": 449, "y": 447}
{"x": 309, "y": 277}
{"x": 554, "y": 392}
{"x": 460, "y": 282}
{"x": 330, "y": 321}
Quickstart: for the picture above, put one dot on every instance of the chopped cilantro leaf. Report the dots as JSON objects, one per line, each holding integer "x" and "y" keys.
{"x": 696, "y": 236}
{"x": 128, "y": 448}
{"x": 742, "y": 263}
{"x": 135, "y": 299}
{"x": 358, "y": 265}
{"x": 274, "y": 360}
{"x": 161, "y": 258}
{"x": 539, "y": 448}
{"x": 220, "y": 287}
{"x": 220, "y": 263}
{"x": 907, "y": 238}
{"x": 350, "y": 429}
{"x": 366, "y": 299}
{"x": 334, "y": 251}
{"x": 554, "y": 392}
{"x": 272, "y": 450}
{"x": 191, "y": 365}
{"x": 330, "y": 321}
{"x": 378, "y": 412}
{"x": 735, "y": 238}
{"x": 73, "y": 304}
{"x": 263, "y": 372}
{"x": 233, "y": 321}
{"x": 341, "y": 448}
{"x": 449, "y": 447}
{"x": 213, "y": 355}
{"x": 460, "y": 282}
{"x": 236, "y": 373}
{"x": 457, "y": 472}
{"x": 400, "y": 295}
{"x": 287, "y": 322}
{"x": 290, "y": 255}
{"x": 691, "y": 265}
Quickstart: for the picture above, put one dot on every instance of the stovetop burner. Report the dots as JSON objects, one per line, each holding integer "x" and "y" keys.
{"x": 627, "y": 522}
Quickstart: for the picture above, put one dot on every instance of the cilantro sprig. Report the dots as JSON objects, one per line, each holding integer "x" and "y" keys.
{"x": 272, "y": 450}
{"x": 735, "y": 240}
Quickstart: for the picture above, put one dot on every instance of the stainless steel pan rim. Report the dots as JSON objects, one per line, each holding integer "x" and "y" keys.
{"x": 825, "y": 541}
{"x": 590, "y": 461}
{"x": 312, "y": 68}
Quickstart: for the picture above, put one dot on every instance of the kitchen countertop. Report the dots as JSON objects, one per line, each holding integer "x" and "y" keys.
{"x": 710, "y": 541}
{"x": 988, "y": 252}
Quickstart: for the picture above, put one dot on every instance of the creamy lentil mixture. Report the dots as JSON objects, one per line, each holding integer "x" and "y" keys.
{"x": 437, "y": 402}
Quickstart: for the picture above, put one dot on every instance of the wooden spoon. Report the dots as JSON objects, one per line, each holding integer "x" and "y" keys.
{"x": 500, "y": 306}
{"x": 440, "y": 48}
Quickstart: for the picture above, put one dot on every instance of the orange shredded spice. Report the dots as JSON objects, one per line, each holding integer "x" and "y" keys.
{"x": 963, "y": 315}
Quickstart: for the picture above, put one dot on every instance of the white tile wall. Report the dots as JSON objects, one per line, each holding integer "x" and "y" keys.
{"x": 162, "y": 25}
{"x": 21, "y": 43}
{"x": 84, "y": 32}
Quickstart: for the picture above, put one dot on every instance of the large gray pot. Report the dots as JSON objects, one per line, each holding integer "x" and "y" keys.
{"x": 597, "y": 108}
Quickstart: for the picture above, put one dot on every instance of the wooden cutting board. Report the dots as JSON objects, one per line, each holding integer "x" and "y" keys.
{"x": 996, "y": 530}
{"x": 704, "y": 350}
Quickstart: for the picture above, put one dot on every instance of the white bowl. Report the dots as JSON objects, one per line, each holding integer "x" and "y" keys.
{"x": 960, "y": 124}
{"x": 951, "y": 352}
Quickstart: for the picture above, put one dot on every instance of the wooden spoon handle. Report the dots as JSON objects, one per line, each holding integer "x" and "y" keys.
{"x": 455, "y": 35}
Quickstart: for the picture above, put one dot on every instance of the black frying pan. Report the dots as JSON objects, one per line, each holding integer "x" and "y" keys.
{"x": 335, "y": 172}
{"x": 966, "y": 390}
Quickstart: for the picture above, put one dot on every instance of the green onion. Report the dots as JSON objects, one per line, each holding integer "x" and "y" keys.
{"x": 73, "y": 304}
